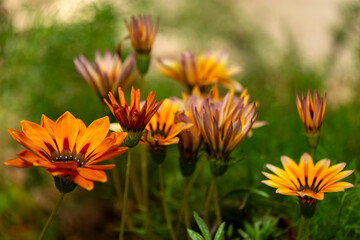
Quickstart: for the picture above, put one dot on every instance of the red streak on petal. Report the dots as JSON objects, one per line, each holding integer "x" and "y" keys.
{"x": 85, "y": 148}
{"x": 66, "y": 144}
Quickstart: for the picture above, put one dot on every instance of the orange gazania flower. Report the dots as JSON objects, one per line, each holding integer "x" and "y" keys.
{"x": 142, "y": 32}
{"x": 162, "y": 129}
{"x": 107, "y": 73}
{"x": 207, "y": 69}
{"x": 307, "y": 181}
{"x": 134, "y": 118}
{"x": 311, "y": 112}
{"x": 223, "y": 125}
{"x": 68, "y": 149}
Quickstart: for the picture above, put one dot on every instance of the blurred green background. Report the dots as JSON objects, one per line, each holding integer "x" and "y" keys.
{"x": 283, "y": 47}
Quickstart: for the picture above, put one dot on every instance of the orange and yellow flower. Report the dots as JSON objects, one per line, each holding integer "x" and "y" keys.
{"x": 107, "y": 73}
{"x": 311, "y": 111}
{"x": 311, "y": 114}
{"x": 307, "y": 181}
{"x": 162, "y": 129}
{"x": 134, "y": 118}
{"x": 68, "y": 149}
{"x": 207, "y": 69}
{"x": 190, "y": 139}
{"x": 142, "y": 33}
{"x": 223, "y": 125}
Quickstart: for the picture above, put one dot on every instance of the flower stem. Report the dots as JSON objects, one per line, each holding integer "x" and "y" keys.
{"x": 216, "y": 203}
{"x": 185, "y": 199}
{"x": 166, "y": 213}
{"x": 208, "y": 199}
{"x": 145, "y": 191}
{"x": 312, "y": 152}
{"x": 300, "y": 229}
{"x": 307, "y": 228}
{"x": 126, "y": 192}
{"x": 51, "y": 216}
{"x": 187, "y": 188}
{"x": 117, "y": 184}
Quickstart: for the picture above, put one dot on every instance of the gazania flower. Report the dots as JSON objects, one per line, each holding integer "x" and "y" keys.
{"x": 68, "y": 149}
{"x": 162, "y": 129}
{"x": 107, "y": 73}
{"x": 207, "y": 69}
{"x": 223, "y": 125}
{"x": 142, "y": 33}
{"x": 311, "y": 112}
{"x": 134, "y": 118}
{"x": 307, "y": 181}
{"x": 190, "y": 139}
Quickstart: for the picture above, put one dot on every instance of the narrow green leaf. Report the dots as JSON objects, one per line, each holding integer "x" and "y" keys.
{"x": 220, "y": 232}
{"x": 194, "y": 235}
{"x": 203, "y": 228}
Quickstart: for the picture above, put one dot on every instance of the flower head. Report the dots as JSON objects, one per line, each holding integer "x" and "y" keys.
{"x": 207, "y": 69}
{"x": 223, "y": 125}
{"x": 107, "y": 73}
{"x": 142, "y": 33}
{"x": 68, "y": 149}
{"x": 162, "y": 129}
{"x": 307, "y": 181}
{"x": 134, "y": 118}
{"x": 190, "y": 139}
{"x": 311, "y": 112}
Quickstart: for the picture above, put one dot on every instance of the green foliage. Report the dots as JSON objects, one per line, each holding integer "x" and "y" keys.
{"x": 205, "y": 230}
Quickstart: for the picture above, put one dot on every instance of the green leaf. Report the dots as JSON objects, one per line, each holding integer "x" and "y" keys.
{"x": 220, "y": 232}
{"x": 194, "y": 235}
{"x": 203, "y": 228}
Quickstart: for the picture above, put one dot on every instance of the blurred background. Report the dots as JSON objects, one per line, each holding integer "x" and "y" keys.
{"x": 283, "y": 46}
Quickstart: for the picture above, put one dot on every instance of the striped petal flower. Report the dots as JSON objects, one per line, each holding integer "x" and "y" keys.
{"x": 306, "y": 180}
{"x": 162, "y": 129}
{"x": 134, "y": 118}
{"x": 68, "y": 149}
{"x": 142, "y": 33}
{"x": 207, "y": 69}
{"x": 223, "y": 125}
{"x": 311, "y": 112}
{"x": 107, "y": 73}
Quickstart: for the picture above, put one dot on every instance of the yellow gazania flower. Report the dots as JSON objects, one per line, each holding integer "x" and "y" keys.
{"x": 207, "y": 69}
{"x": 223, "y": 125}
{"x": 107, "y": 73}
{"x": 68, "y": 149}
{"x": 142, "y": 33}
{"x": 307, "y": 181}
{"x": 162, "y": 129}
{"x": 134, "y": 118}
{"x": 190, "y": 139}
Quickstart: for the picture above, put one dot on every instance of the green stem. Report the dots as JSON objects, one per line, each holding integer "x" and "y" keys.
{"x": 307, "y": 228}
{"x": 208, "y": 200}
{"x": 166, "y": 213}
{"x": 185, "y": 199}
{"x": 51, "y": 216}
{"x": 300, "y": 229}
{"x": 144, "y": 183}
{"x": 117, "y": 184}
{"x": 126, "y": 192}
{"x": 187, "y": 189}
{"x": 312, "y": 152}
{"x": 216, "y": 203}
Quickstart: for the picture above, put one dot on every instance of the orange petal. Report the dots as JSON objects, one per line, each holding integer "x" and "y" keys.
{"x": 93, "y": 136}
{"x": 92, "y": 174}
{"x": 59, "y": 172}
{"x": 82, "y": 182}
{"x": 17, "y": 162}
{"x": 66, "y": 131}
{"x": 102, "y": 167}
